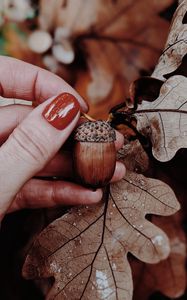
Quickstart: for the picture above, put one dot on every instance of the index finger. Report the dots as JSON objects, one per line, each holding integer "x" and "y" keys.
{"x": 21, "y": 80}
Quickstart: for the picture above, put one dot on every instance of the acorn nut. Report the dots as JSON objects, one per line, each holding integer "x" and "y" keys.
{"x": 94, "y": 154}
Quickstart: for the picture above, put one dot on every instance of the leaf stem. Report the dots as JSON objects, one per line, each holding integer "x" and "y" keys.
{"x": 145, "y": 111}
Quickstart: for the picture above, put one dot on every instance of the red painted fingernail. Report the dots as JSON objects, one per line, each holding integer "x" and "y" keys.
{"x": 61, "y": 111}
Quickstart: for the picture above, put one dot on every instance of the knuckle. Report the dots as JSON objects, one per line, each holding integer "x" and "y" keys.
{"x": 31, "y": 144}
{"x": 54, "y": 194}
{"x": 19, "y": 199}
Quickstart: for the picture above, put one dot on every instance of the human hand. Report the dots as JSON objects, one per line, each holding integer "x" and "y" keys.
{"x": 30, "y": 142}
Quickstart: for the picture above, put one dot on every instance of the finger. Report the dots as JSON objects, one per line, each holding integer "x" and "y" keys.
{"x": 119, "y": 140}
{"x": 21, "y": 80}
{"x": 34, "y": 142}
{"x": 60, "y": 166}
{"x": 39, "y": 193}
{"x": 119, "y": 173}
{"x": 10, "y": 117}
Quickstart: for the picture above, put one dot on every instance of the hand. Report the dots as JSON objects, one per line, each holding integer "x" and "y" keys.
{"x": 30, "y": 140}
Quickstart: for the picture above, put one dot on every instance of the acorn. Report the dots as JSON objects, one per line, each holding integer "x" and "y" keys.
{"x": 94, "y": 154}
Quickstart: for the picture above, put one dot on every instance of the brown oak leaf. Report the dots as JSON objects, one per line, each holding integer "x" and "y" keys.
{"x": 164, "y": 120}
{"x": 176, "y": 46}
{"x": 168, "y": 276}
{"x": 86, "y": 249}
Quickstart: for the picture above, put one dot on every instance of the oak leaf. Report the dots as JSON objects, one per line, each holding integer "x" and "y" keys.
{"x": 165, "y": 119}
{"x": 86, "y": 249}
{"x": 168, "y": 276}
{"x": 176, "y": 46}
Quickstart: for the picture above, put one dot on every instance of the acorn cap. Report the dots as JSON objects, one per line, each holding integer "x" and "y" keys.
{"x": 97, "y": 131}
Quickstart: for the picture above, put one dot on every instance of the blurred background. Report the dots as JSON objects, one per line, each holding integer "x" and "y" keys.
{"x": 99, "y": 47}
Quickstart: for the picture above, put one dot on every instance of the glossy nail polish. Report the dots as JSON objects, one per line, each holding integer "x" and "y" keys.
{"x": 61, "y": 111}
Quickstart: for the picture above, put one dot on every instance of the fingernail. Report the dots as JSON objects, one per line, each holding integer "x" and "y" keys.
{"x": 61, "y": 111}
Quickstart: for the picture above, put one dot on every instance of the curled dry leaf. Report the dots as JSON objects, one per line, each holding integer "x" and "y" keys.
{"x": 164, "y": 120}
{"x": 86, "y": 249}
{"x": 168, "y": 276}
{"x": 176, "y": 46}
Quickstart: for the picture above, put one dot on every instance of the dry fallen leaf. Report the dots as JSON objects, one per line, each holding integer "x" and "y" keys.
{"x": 167, "y": 116}
{"x": 168, "y": 276}
{"x": 176, "y": 46}
{"x": 86, "y": 249}
{"x": 165, "y": 119}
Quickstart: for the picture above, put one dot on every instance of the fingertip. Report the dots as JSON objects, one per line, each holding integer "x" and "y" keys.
{"x": 119, "y": 140}
{"x": 120, "y": 171}
{"x": 95, "y": 196}
{"x": 86, "y": 106}
{"x": 83, "y": 103}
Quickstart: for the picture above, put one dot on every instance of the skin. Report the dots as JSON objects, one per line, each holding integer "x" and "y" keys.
{"x": 31, "y": 149}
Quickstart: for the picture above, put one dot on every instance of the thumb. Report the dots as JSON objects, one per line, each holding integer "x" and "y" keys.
{"x": 34, "y": 142}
